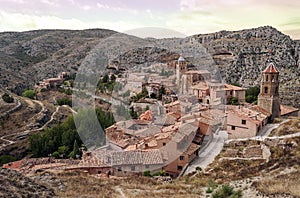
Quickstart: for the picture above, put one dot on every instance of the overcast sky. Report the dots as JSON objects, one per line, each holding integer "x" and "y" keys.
{"x": 186, "y": 16}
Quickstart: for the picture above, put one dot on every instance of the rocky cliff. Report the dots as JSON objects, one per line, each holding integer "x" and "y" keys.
{"x": 240, "y": 56}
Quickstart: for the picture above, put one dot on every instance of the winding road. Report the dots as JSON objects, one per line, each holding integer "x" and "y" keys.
{"x": 215, "y": 146}
{"x": 25, "y": 133}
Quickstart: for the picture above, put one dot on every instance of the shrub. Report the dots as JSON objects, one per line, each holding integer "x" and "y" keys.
{"x": 226, "y": 191}
{"x": 55, "y": 154}
{"x": 233, "y": 101}
{"x": 29, "y": 94}
{"x": 198, "y": 168}
{"x": 251, "y": 94}
{"x": 7, "y": 98}
{"x": 147, "y": 173}
{"x": 6, "y": 159}
{"x": 64, "y": 101}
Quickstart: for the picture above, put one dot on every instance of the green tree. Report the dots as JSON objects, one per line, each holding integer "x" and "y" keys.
{"x": 76, "y": 150}
{"x": 64, "y": 101}
{"x": 161, "y": 92}
{"x": 252, "y": 94}
{"x": 105, "y": 78}
{"x": 147, "y": 108}
{"x": 233, "y": 101}
{"x": 4, "y": 159}
{"x": 29, "y": 94}
{"x": 133, "y": 113}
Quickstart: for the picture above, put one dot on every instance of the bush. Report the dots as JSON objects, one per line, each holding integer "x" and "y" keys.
{"x": 252, "y": 94}
{"x": 64, "y": 101}
{"x": 198, "y": 168}
{"x": 55, "y": 154}
{"x": 7, "y": 98}
{"x": 226, "y": 191}
{"x": 4, "y": 159}
{"x": 29, "y": 94}
{"x": 147, "y": 173}
{"x": 233, "y": 101}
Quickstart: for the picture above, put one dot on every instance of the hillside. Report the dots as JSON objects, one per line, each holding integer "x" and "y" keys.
{"x": 14, "y": 184}
{"x": 240, "y": 56}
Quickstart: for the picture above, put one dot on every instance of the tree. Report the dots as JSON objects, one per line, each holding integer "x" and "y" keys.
{"x": 64, "y": 101}
{"x": 161, "y": 92}
{"x": 233, "y": 101}
{"x": 29, "y": 94}
{"x": 6, "y": 159}
{"x": 147, "y": 108}
{"x": 133, "y": 114}
{"x": 105, "y": 78}
{"x": 76, "y": 150}
{"x": 252, "y": 94}
{"x": 7, "y": 98}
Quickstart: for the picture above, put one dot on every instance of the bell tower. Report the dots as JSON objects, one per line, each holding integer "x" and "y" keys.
{"x": 268, "y": 97}
{"x": 181, "y": 68}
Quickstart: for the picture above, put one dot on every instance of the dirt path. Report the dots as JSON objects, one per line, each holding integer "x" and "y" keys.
{"x": 26, "y": 132}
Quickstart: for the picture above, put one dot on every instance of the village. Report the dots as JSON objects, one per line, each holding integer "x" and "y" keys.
{"x": 177, "y": 112}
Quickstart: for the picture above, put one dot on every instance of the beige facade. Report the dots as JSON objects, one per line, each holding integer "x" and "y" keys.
{"x": 245, "y": 122}
{"x": 269, "y": 91}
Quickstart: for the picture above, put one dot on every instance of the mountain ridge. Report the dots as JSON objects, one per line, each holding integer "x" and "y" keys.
{"x": 28, "y": 57}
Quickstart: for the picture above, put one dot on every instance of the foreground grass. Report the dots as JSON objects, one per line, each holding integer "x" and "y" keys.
{"x": 282, "y": 184}
{"x": 85, "y": 185}
{"x": 290, "y": 127}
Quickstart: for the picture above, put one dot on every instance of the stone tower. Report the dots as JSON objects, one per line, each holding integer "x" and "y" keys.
{"x": 181, "y": 68}
{"x": 268, "y": 97}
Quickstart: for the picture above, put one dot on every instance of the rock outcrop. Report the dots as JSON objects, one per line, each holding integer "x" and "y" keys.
{"x": 236, "y": 56}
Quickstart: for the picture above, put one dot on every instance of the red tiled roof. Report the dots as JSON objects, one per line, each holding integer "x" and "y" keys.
{"x": 271, "y": 69}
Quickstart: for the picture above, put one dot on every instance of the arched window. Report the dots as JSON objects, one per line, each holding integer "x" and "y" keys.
{"x": 266, "y": 89}
{"x": 276, "y": 90}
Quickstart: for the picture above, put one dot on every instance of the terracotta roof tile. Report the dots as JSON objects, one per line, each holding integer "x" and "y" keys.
{"x": 271, "y": 69}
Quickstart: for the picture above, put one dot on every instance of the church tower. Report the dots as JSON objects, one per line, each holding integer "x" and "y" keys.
{"x": 268, "y": 97}
{"x": 181, "y": 68}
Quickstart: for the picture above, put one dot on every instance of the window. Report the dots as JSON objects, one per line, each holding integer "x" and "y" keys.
{"x": 232, "y": 127}
{"x": 266, "y": 89}
{"x": 164, "y": 144}
{"x": 267, "y": 77}
{"x": 181, "y": 158}
{"x": 243, "y": 121}
{"x": 231, "y": 93}
{"x": 147, "y": 166}
{"x": 132, "y": 168}
{"x": 179, "y": 168}
{"x": 119, "y": 168}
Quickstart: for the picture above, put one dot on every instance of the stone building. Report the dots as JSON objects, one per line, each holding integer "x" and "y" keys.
{"x": 268, "y": 97}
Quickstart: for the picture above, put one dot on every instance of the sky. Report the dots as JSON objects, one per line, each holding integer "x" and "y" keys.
{"x": 185, "y": 16}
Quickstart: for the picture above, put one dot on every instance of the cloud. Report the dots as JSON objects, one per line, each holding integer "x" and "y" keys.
{"x": 99, "y": 5}
{"x": 23, "y": 22}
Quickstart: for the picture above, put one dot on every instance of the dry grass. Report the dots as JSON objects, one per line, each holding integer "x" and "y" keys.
{"x": 80, "y": 183}
{"x": 282, "y": 184}
{"x": 290, "y": 127}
